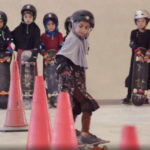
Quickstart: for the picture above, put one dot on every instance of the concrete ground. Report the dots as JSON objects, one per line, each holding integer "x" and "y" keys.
{"x": 107, "y": 123}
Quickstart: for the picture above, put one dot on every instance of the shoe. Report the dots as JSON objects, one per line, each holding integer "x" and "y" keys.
{"x": 126, "y": 101}
{"x": 91, "y": 139}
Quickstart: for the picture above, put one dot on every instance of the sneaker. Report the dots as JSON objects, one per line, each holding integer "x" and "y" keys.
{"x": 78, "y": 133}
{"x": 91, "y": 139}
{"x": 126, "y": 101}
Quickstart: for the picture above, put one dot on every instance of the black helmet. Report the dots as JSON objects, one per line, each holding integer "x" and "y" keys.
{"x": 30, "y": 8}
{"x": 52, "y": 17}
{"x": 83, "y": 15}
{"x": 3, "y": 17}
{"x": 67, "y": 23}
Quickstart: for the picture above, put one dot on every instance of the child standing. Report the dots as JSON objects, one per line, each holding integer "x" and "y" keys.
{"x": 27, "y": 34}
{"x": 140, "y": 37}
{"x": 71, "y": 66}
{"x": 27, "y": 40}
{"x": 51, "y": 42}
{"x": 6, "y": 50}
{"x": 68, "y": 26}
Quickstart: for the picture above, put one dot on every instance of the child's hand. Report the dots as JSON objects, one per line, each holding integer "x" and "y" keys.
{"x": 146, "y": 59}
{"x": 141, "y": 59}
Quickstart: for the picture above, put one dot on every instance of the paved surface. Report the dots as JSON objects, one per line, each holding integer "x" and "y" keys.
{"x": 107, "y": 123}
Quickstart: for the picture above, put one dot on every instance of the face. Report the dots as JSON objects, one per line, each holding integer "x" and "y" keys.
{"x": 51, "y": 26}
{"x": 1, "y": 23}
{"x": 141, "y": 23}
{"x": 82, "y": 28}
{"x": 28, "y": 18}
{"x": 69, "y": 27}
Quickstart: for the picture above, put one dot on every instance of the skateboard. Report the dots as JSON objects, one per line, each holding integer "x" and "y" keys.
{"x": 139, "y": 81}
{"x": 51, "y": 77}
{"x": 94, "y": 146}
{"x": 27, "y": 73}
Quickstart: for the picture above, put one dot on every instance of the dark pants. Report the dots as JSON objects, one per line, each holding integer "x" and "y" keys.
{"x": 82, "y": 101}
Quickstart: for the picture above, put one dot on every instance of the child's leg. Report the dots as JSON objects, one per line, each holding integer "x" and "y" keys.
{"x": 86, "y": 107}
{"x": 86, "y": 119}
{"x": 86, "y": 104}
{"x": 128, "y": 82}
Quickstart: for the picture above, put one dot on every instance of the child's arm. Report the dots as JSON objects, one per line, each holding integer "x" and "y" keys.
{"x": 147, "y": 55}
{"x": 42, "y": 48}
{"x": 36, "y": 45}
{"x": 132, "y": 43}
{"x": 63, "y": 65}
{"x": 42, "y": 45}
{"x": 9, "y": 41}
{"x": 61, "y": 40}
{"x": 36, "y": 38}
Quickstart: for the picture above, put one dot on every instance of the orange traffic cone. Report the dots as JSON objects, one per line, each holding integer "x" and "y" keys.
{"x": 15, "y": 116}
{"x": 39, "y": 135}
{"x": 129, "y": 139}
{"x": 64, "y": 136}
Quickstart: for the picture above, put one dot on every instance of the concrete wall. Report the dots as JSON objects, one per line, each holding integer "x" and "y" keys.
{"x": 109, "y": 54}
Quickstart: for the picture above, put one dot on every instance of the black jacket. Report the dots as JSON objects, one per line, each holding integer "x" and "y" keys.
{"x": 26, "y": 36}
{"x": 140, "y": 39}
{"x": 5, "y": 38}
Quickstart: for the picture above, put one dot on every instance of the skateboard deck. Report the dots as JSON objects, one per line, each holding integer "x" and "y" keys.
{"x": 51, "y": 77}
{"x": 94, "y": 146}
{"x": 139, "y": 81}
{"x": 27, "y": 73}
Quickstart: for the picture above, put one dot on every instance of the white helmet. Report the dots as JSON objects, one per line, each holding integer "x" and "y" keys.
{"x": 142, "y": 14}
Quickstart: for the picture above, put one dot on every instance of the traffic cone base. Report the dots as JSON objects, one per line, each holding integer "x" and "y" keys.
{"x": 15, "y": 115}
{"x": 14, "y": 129}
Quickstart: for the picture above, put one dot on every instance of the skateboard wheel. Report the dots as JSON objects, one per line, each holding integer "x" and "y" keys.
{"x": 138, "y": 100}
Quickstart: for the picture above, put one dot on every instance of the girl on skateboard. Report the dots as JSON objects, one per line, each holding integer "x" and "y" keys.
{"x": 71, "y": 66}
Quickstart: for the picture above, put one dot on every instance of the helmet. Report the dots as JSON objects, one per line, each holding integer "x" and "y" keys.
{"x": 83, "y": 15}
{"x": 30, "y": 8}
{"x": 3, "y": 17}
{"x": 142, "y": 14}
{"x": 67, "y": 23}
{"x": 52, "y": 17}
